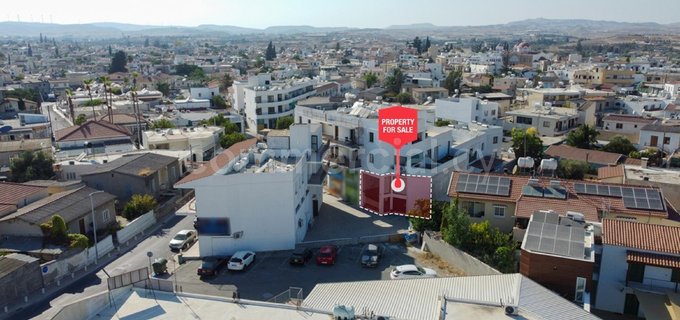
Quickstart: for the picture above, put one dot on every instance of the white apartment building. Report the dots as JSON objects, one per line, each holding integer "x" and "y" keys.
{"x": 352, "y": 134}
{"x": 672, "y": 90}
{"x": 264, "y": 100}
{"x": 204, "y": 92}
{"x": 660, "y": 135}
{"x": 549, "y": 121}
{"x": 624, "y": 123}
{"x": 467, "y": 110}
{"x": 230, "y": 190}
{"x": 202, "y": 142}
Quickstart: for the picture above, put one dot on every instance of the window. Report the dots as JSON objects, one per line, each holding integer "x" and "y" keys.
{"x": 258, "y": 99}
{"x": 106, "y": 216}
{"x": 370, "y": 158}
{"x": 524, "y": 120}
{"x": 499, "y": 211}
{"x": 258, "y": 111}
{"x": 474, "y": 209}
{"x": 271, "y": 110}
{"x": 619, "y": 126}
{"x": 370, "y": 137}
{"x": 315, "y": 142}
{"x": 493, "y": 112}
{"x": 580, "y": 289}
{"x": 495, "y": 140}
{"x": 666, "y": 140}
{"x": 546, "y": 124}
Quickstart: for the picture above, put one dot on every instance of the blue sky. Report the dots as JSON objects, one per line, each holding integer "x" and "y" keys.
{"x": 333, "y": 13}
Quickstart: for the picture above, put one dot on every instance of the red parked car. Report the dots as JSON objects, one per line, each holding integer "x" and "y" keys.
{"x": 327, "y": 255}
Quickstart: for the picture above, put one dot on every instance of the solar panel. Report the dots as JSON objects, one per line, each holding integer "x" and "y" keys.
{"x": 562, "y": 247}
{"x": 552, "y": 217}
{"x": 483, "y": 184}
{"x": 504, "y": 191}
{"x": 532, "y": 242}
{"x": 532, "y": 191}
{"x": 576, "y": 249}
{"x": 627, "y": 192}
{"x": 494, "y": 180}
{"x": 580, "y": 187}
{"x": 653, "y": 194}
{"x": 629, "y": 202}
{"x": 505, "y": 182}
{"x": 550, "y": 230}
{"x": 615, "y": 191}
{"x": 656, "y": 204}
{"x": 603, "y": 190}
{"x": 556, "y": 193}
{"x": 591, "y": 189}
{"x": 640, "y": 193}
{"x": 492, "y": 189}
{"x": 547, "y": 245}
{"x": 577, "y": 234}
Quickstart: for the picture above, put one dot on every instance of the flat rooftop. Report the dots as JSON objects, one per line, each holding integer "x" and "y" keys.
{"x": 552, "y": 113}
{"x": 142, "y": 304}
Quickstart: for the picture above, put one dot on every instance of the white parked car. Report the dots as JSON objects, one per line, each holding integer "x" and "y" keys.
{"x": 241, "y": 260}
{"x": 410, "y": 271}
{"x": 183, "y": 240}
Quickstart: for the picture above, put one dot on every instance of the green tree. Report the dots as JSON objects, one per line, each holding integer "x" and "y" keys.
{"x": 163, "y": 87}
{"x": 270, "y": 53}
{"x": 418, "y": 44}
{"x": 619, "y": 144}
{"x": 184, "y": 69}
{"x": 77, "y": 240}
{"x": 526, "y": 143}
{"x": 197, "y": 75}
{"x": 138, "y": 205}
{"x": 31, "y": 166}
{"x": 453, "y": 81}
{"x": 284, "y": 122}
{"x": 427, "y": 44}
{"x": 442, "y": 123}
{"x": 572, "y": 169}
{"x": 80, "y": 119}
{"x": 584, "y": 137}
{"x": 226, "y": 81}
{"x": 55, "y": 230}
{"x": 218, "y": 102}
{"x": 345, "y": 61}
{"x": 421, "y": 209}
{"x": 370, "y": 79}
{"x": 455, "y": 226}
{"x": 118, "y": 62}
{"x": 394, "y": 80}
{"x": 230, "y": 127}
{"x": 229, "y": 139}
{"x": 162, "y": 124}
{"x": 404, "y": 98}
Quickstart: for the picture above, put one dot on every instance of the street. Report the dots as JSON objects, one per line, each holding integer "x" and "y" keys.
{"x": 135, "y": 258}
{"x": 59, "y": 121}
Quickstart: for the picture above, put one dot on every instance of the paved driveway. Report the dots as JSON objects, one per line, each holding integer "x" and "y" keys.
{"x": 271, "y": 273}
{"x": 338, "y": 220}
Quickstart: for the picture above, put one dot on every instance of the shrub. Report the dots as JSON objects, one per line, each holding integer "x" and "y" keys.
{"x": 138, "y": 205}
{"x": 77, "y": 240}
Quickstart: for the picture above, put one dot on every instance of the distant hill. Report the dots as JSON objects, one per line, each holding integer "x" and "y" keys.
{"x": 572, "y": 27}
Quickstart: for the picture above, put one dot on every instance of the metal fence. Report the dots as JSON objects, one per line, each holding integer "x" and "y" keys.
{"x": 291, "y": 296}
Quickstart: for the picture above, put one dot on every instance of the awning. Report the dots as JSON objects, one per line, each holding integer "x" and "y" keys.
{"x": 653, "y": 259}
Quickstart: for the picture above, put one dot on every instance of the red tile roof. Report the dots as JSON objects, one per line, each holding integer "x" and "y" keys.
{"x": 92, "y": 130}
{"x": 218, "y": 162}
{"x": 641, "y": 236}
{"x": 591, "y": 156}
{"x": 611, "y": 172}
{"x": 588, "y": 205}
{"x": 654, "y": 259}
{"x": 12, "y": 193}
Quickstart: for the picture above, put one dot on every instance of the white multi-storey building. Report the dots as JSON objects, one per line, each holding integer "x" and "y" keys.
{"x": 231, "y": 212}
{"x": 264, "y": 100}
{"x": 352, "y": 134}
{"x": 467, "y": 110}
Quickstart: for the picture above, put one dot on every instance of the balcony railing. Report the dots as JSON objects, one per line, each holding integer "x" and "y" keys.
{"x": 654, "y": 285}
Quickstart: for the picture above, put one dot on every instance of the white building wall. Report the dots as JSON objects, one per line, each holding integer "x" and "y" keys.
{"x": 610, "y": 295}
{"x": 204, "y": 92}
{"x": 646, "y": 139}
{"x": 467, "y": 110}
{"x": 626, "y": 127}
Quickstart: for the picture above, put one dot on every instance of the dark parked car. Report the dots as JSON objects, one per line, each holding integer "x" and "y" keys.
{"x": 195, "y": 222}
{"x": 327, "y": 255}
{"x": 211, "y": 266}
{"x": 371, "y": 254}
{"x": 300, "y": 256}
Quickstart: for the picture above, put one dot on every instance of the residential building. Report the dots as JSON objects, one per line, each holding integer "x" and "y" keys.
{"x": 556, "y": 97}
{"x": 73, "y": 205}
{"x": 146, "y": 173}
{"x": 503, "y": 100}
{"x": 558, "y": 252}
{"x": 509, "y": 201}
{"x": 16, "y": 195}
{"x": 264, "y": 100}
{"x": 612, "y": 174}
{"x": 12, "y": 149}
{"x": 202, "y": 141}
{"x": 423, "y": 95}
{"x": 229, "y": 191}
{"x": 639, "y": 269}
{"x": 22, "y": 130}
{"x": 548, "y": 121}
{"x": 467, "y": 110}
{"x": 595, "y": 158}
{"x": 626, "y": 124}
{"x": 92, "y": 137}
{"x": 672, "y": 90}
{"x": 665, "y": 136}
{"x": 203, "y": 93}
{"x": 128, "y": 121}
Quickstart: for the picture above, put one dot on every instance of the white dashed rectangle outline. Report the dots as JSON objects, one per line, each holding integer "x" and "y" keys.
{"x": 361, "y": 195}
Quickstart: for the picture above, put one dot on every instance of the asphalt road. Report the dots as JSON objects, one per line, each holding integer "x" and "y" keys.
{"x": 134, "y": 259}
{"x": 58, "y": 120}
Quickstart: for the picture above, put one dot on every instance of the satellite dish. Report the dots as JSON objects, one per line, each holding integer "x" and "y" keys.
{"x": 5, "y": 129}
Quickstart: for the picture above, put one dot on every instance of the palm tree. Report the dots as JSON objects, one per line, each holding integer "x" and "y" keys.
{"x": 88, "y": 86}
{"x": 70, "y": 105}
{"x": 108, "y": 95}
{"x": 135, "y": 74}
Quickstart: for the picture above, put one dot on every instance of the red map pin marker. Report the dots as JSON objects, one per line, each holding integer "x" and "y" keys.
{"x": 397, "y": 126}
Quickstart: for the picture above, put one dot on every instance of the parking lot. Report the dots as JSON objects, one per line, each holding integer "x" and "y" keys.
{"x": 271, "y": 273}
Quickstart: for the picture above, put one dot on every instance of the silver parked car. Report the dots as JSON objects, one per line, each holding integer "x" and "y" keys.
{"x": 183, "y": 240}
